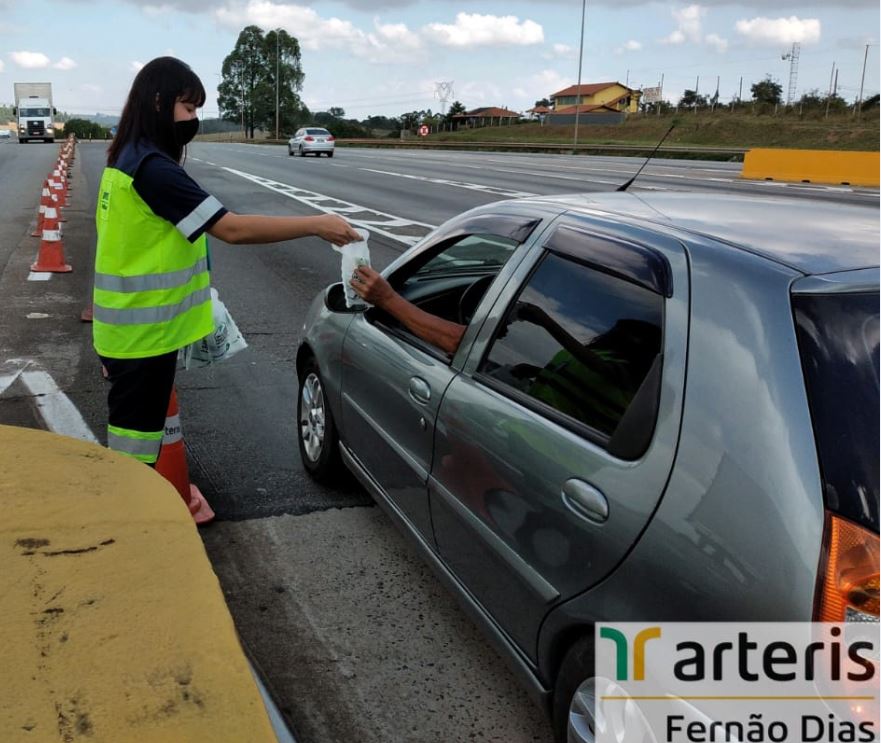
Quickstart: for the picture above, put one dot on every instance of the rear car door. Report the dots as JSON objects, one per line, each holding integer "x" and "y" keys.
{"x": 554, "y": 445}
{"x": 393, "y": 382}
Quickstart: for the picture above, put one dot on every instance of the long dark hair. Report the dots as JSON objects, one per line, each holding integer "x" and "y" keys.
{"x": 149, "y": 110}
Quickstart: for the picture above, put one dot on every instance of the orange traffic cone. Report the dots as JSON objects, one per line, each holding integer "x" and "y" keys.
{"x": 51, "y": 255}
{"x": 172, "y": 465}
{"x": 45, "y": 200}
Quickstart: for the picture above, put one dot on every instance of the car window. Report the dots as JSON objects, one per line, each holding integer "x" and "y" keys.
{"x": 838, "y": 340}
{"x": 318, "y": 132}
{"x": 577, "y": 344}
{"x": 475, "y": 252}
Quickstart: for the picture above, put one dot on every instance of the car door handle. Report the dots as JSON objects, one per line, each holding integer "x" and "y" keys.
{"x": 419, "y": 390}
{"x": 585, "y": 501}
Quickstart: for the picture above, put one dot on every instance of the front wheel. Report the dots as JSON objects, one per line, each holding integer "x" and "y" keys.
{"x": 290, "y": 152}
{"x": 317, "y": 434}
{"x": 330, "y": 154}
{"x": 302, "y": 151}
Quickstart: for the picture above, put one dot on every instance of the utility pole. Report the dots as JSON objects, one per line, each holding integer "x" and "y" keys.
{"x": 829, "y": 94}
{"x": 862, "y": 82}
{"x": 443, "y": 91}
{"x": 578, "y": 86}
{"x": 697, "y": 85}
{"x": 627, "y": 80}
{"x": 716, "y": 96}
{"x": 276, "y": 82}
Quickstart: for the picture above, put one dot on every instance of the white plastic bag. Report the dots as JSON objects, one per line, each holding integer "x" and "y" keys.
{"x": 353, "y": 255}
{"x": 224, "y": 342}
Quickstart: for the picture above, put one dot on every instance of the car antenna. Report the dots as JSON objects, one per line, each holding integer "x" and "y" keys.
{"x": 636, "y": 175}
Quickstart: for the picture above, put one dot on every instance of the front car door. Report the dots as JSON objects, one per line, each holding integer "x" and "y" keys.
{"x": 393, "y": 382}
{"x": 553, "y": 446}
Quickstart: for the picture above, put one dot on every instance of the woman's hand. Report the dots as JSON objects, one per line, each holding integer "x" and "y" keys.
{"x": 369, "y": 285}
{"x": 335, "y": 230}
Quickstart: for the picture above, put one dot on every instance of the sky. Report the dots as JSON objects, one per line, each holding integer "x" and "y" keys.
{"x": 386, "y": 57}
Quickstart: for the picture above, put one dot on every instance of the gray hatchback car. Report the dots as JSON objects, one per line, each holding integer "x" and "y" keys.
{"x": 664, "y": 407}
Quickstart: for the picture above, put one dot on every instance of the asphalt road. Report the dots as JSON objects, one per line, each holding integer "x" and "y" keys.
{"x": 354, "y": 634}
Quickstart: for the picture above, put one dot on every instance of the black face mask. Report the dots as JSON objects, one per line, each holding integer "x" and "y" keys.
{"x": 184, "y": 131}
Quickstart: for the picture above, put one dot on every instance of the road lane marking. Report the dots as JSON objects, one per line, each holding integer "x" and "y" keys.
{"x": 376, "y": 221}
{"x": 457, "y": 184}
{"x": 55, "y": 408}
{"x": 39, "y": 276}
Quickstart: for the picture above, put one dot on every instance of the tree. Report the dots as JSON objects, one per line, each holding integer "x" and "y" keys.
{"x": 543, "y": 102}
{"x": 869, "y": 102}
{"x": 337, "y": 112}
{"x": 456, "y": 108}
{"x": 767, "y": 91}
{"x": 691, "y": 99}
{"x": 248, "y": 86}
{"x": 85, "y": 129}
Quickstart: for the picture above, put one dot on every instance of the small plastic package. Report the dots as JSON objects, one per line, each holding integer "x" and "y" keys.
{"x": 353, "y": 255}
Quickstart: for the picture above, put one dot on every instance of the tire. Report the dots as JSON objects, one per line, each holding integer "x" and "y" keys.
{"x": 316, "y": 430}
{"x": 302, "y": 151}
{"x": 577, "y": 667}
{"x": 330, "y": 154}
{"x": 290, "y": 152}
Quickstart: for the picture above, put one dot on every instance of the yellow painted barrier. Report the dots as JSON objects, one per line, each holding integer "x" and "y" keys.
{"x": 114, "y": 627}
{"x": 813, "y": 166}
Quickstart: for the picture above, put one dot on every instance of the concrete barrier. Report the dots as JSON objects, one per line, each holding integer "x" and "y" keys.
{"x": 813, "y": 166}
{"x": 114, "y": 627}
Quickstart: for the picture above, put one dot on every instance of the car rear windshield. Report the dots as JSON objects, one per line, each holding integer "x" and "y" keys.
{"x": 838, "y": 342}
{"x": 318, "y": 132}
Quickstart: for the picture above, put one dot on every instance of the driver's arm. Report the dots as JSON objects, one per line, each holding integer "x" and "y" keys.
{"x": 432, "y": 329}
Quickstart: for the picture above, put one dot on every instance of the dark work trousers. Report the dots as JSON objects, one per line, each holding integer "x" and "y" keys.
{"x": 138, "y": 400}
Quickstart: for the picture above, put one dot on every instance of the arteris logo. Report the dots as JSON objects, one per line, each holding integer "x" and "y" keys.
{"x": 703, "y": 682}
{"x": 834, "y": 657}
{"x": 621, "y": 650}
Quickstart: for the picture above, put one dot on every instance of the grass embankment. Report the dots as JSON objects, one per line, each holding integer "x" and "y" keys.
{"x": 720, "y": 129}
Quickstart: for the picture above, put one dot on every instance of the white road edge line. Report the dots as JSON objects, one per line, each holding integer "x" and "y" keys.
{"x": 59, "y": 413}
{"x": 39, "y": 276}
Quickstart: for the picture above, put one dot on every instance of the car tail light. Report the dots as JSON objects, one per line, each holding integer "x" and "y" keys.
{"x": 849, "y": 573}
{"x": 309, "y": 139}
{"x": 331, "y": 138}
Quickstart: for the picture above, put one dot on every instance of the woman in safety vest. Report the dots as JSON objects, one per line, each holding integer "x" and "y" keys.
{"x": 152, "y": 285}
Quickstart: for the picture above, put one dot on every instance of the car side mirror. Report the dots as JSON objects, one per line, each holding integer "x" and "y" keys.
{"x": 335, "y": 300}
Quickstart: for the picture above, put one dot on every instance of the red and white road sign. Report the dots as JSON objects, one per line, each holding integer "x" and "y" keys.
{"x": 423, "y": 131}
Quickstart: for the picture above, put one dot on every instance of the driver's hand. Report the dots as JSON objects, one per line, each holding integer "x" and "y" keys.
{"x": 369, "y": 285}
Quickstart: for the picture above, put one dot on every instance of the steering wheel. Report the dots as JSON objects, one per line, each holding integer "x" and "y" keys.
{"x": 471, "y": 298}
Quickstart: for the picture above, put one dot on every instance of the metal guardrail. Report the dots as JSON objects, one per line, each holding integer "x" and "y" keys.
{"x": 545, "y": 147}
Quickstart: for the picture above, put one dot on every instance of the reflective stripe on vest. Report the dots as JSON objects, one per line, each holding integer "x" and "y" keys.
{"x": 150, "y": 282}
{"x": 152, "y": 287}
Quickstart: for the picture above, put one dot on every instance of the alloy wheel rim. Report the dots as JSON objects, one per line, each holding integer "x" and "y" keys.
{"x": 617, "y": 720}
{"x": 312, "y": 417}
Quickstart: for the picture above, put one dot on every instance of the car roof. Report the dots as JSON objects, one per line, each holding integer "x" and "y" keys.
{"x": 809, "y": 235}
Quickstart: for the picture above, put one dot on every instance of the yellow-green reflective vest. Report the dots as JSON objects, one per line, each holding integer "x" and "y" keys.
{"x": 152, "y": 286}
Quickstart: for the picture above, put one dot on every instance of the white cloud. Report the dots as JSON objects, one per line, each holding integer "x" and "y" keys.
{"x": 136, "y": 66}
{"x": 65, "y": 63}
{"x": 780, "y": 31}
{"x": 1, "y": 65}
{"x": 561, "y": 51}
{"x": 632, "y": 45}
{"x": 392, "y": 42}
{"x": 689, "y": 28}
{"x": 473, "y": 29}
{"x": 30, "y": 60}
{"x": 717, "y": 42}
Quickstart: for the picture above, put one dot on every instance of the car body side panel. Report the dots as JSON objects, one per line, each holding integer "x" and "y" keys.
{"x": 499, "y": 516}
{"x": 738, "y": 532}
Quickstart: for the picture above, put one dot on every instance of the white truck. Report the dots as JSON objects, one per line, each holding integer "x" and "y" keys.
{"x": 34, "y": 111}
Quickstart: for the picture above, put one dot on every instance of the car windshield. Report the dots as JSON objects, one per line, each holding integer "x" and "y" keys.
{"x": 318, "y": 132}
{"x": 838, "y": 342}
{"x": 25, "y": 112}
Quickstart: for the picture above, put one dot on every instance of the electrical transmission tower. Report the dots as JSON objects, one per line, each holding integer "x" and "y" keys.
{"x": 792, "y": 56}
{"x": 443, "y": 92}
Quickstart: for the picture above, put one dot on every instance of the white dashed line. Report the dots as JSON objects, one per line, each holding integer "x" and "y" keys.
{"x": 457, "y": 184}
{"x": 39, "y": 276}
